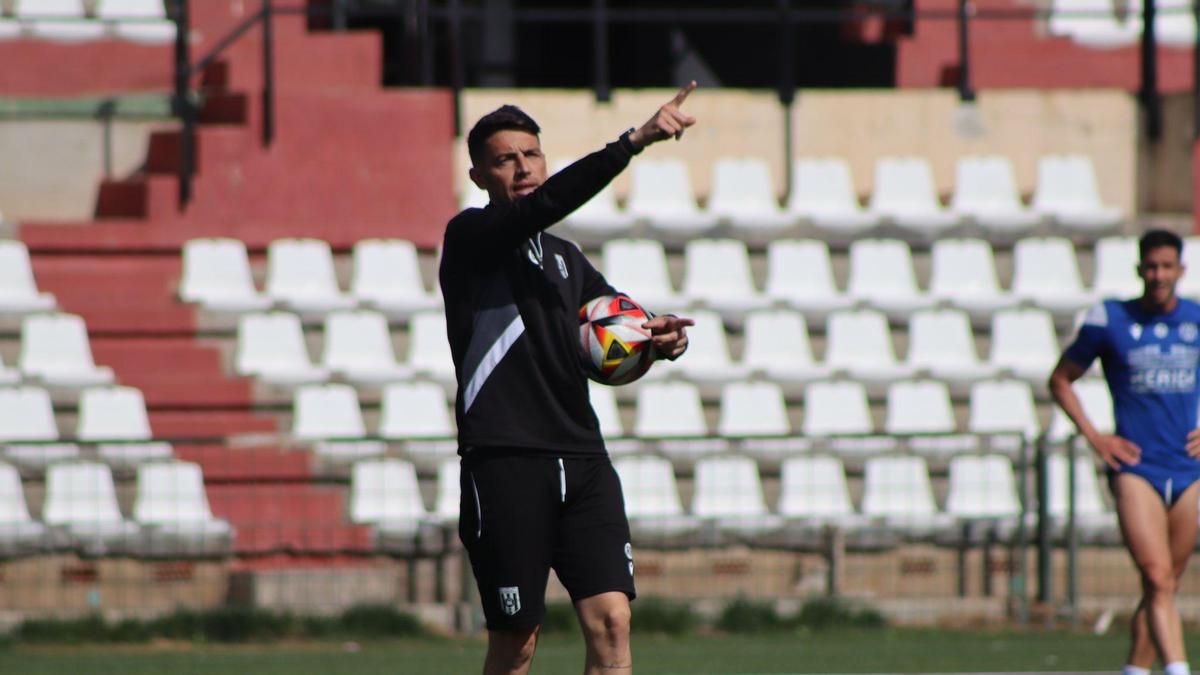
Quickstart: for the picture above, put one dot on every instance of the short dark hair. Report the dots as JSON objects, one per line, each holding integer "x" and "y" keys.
{"x": 504, "y": 118}
{"x": 1157, "y": 239}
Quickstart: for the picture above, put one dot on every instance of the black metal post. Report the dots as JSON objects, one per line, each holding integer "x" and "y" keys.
{"x": 1045, "y": 569}
{"x": 787, "y": 54}
{"x": 1018, "y": 553}
{"x": 268, "y": 56}
{"x": 339, "y": 15}
{"x": 457, "y": 76}
{"x": 600, "y": 74}
{"x": 425, "y": 42}
{"x": 1072, "y": 535}
{"x": 1149, "y": 90}
{"x": 182, "y": 102}
{"x": 965, "y": 92}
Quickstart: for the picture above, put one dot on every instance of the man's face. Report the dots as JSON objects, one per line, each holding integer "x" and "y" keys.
{"x": 512, "y": 165}
{"x": 1160, "y": 270}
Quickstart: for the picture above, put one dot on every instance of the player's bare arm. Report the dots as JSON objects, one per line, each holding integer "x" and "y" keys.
{"x": 1114, "y": 450}
{"x": 668, "y": 122}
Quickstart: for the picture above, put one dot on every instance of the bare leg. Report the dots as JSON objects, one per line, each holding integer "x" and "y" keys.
{"x": 510, "y": 653}
{"x": 1160, "y": 543}
{"x": 605, "y": 622}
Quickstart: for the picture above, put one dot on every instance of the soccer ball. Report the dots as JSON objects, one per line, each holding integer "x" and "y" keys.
{"x": 616, "y": 349}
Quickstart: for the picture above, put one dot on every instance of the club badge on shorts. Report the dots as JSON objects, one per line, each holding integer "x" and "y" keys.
{"x": 510, "y": 599}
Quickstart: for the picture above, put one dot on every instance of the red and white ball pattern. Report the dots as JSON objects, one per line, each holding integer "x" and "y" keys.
{"x": 616, "y": 349}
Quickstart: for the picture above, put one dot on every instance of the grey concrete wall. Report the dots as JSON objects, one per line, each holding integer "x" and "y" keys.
{"x": 50, "y": 169}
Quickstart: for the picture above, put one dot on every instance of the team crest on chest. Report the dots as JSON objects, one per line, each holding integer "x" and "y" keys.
{"x": 1161, "y": 330}
{"x": 1187, "y": 331}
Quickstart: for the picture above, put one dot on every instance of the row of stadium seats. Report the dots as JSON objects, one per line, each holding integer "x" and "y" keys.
{"x": 171, "y": 515}
{"x": 717, "y": 274}
{"x": 1096, "y": 23}
{"x": 143, "y": 21}
{"x": 55, "y": 351}
{"x": 358, "y": 348}
{"x": 822, "y": 195}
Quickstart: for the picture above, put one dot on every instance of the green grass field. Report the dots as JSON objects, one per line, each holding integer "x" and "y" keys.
{"x": 833, "y": 651}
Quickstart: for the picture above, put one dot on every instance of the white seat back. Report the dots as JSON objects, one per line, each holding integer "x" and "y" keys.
{"x": 919, "y": 407}
{"x": 648, "y": 484}
{"x": 215, "y": 268}
{"x": 1045, "y": 266}
{"x": 814, "y": 487}
{"x": 429, "y": 348}
{"x": 799, "y": 268}
{"x": 171, "y": 492}
{"x": 1116, "y": 268}
{"x": 940, "y": 337}
{"x": 26, "y": 414}
{"x": 55, "y": 343}
{"x": 298, "y": 269}
{"x": 717, "y": 268}
{"x": 385, "y": 490}
{"x": 962, "y": 267}
{"x": 753, "y": 409}
{"x": 131, "y": 9}
{"x": 449, "y": 490}
{"x": 1024, "y": 338}
{"x": 386, "y": 268}
{"x": 836, "y": 408}
{"x": 604, "y": 404}
{"x": 326, "y": 411}
{"x": 1066, "y": 184}
{"x": 897, "y": 486}
{"x": 881, "y": 267}
{"x": 65, "y": 9}
{"x": 271, "y": 342}
{"x": 357, "y": 341}
{"x": 638, "y": 267}
{"x": 822, "y": 186}
{"x": 741, "y": 187}
{"x": 415, "y": 410}
{"x": 858, "y": 338}
{"x": 707, "y": 344}
{"x": 1088, "y": 501}
{"x": 16, "y": 272}
{"x": 113, "y": 413}
{"x": 904, "y": 185}
{"x": 661, "y": 188}
{"x": 728, "y": 487}
{"x": 669, "y": 410}
{"x": 982, "y": 487}
{"x": 984, "y": 185}
{"x": 1097, "y": 405}
{"x": 1002, "y": 406}
{"x": 13, "y": 508}
{"x": 80, "y": 492}
{"x": 776, "y": 337}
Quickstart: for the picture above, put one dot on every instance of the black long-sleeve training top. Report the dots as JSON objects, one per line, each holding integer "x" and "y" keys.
{"x": 512, "y": 294}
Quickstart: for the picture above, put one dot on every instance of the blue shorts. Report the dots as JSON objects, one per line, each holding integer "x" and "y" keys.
{"x": 1168, "y": 484}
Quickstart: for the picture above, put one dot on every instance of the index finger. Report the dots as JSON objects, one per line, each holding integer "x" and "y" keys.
{"x": 683, "y": 93}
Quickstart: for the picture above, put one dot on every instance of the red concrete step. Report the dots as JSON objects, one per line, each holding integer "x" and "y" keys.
{"x": 151, "y": 197}
{"x": 98, "y": 67}
{"x": 169, "y": 357}
{"x": 210, "y": 392}
{"x": 291, "y": 517}
{"x": 214, "y": 424}
{"x": 222, "y": 464}
{"x": 117, "y": 294}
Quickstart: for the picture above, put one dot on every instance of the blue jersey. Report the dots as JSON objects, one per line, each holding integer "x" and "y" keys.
{"x": 1150, "y": 362}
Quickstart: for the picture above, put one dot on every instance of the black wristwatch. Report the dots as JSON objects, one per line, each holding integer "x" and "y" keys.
{"x": 628, "y": 144}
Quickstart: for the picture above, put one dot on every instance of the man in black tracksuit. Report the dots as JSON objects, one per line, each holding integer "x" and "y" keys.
{"x": 538, "y": 490}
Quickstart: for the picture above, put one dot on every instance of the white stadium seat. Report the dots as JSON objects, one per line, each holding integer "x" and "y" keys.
{"x": 839, "y": 408}
{"x": 822, "y": 192}
{"x": 387, "y": 276}
{"x": 270, "y": 346}
{"x": 56, "y": 351}
{"x": 652, "y": 503}
{"x": 940, "y": 343}
{"x": 26, "y": 414}
{"x": 799, "y": 272}
{"x": 904, "y": 192}
{"x": 324, "y": 411}
{"x": 897, "y": 490}
{"x": 660, "y": 195}
{"x": 358, "y": 347}
{"x": 1092, "y": 23}
{"x": 8, "y": 375}
{"x": 384, "y": 493}
{"x": 1093, "y": 520}
{"x": 814, "y": 488}
{"x": 1189, "y": 285}
{"x": 173, "y": 511}
{"x": 604, "y": 404}
{"x": 776, "y": 345}
{"x": 1004, "y": 409}
{"x": 984, "y": 487}
{"x": 143, "y": 21}
{"x": 1175, "y": 25}
{"x": 921, "y": 409}
{"x": 859, "y": 343}
{"x": 717, "y": 276}
{"x": 1067, "y": 191}
{"x": 216, "y": 275}
{"x": 117, "y": 418}
{"x": 19, "y": 293}
{"x": 881, "y": 273}
{"x": 754, "y": 416}
{"x": 429, "y": 349}
{"x": 985, "y": 190}
{"x": 1116, "y": 268}
{"x": 20, "y": 534}
{"x": 638, "y": 268}
{"x": 708, "y": 363}
{"x": 416, "y": 413}
{"x": 1097, "y": 405}
{"x": 1045, "y": 273}
{"x": 300, "y": 275}
{"x": 58, "y": 20}
{"x": 742, "y": 195}
{"x": 471, "y": 197}
{"x": 670, "y": 414}
{"x": 449, "y": 492}
{"x": 1024, "y": 344}
{"x": 963, "y": 273}
{"x": 729, "y": 493}
{"x": 82, "y": 501}
{"x": 598, "y": 220}
{"x": 10, "y": 29}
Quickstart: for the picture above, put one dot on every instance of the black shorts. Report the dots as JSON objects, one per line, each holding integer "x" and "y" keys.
{"x": 522, "y": 514}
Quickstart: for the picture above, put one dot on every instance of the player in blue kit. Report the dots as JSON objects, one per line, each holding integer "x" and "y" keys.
{"x": 1149, "y": 348}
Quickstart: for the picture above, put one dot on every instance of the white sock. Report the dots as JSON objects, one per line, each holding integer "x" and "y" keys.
{"x": 1134, "y": 670}
{"x": 1178, "y": 668}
